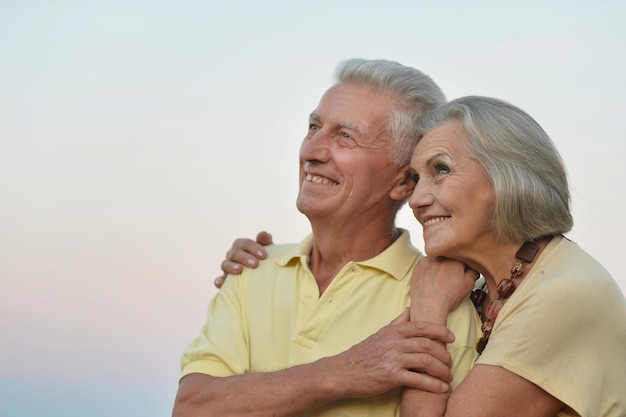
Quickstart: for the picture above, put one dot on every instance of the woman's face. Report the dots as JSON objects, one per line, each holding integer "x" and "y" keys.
{"x": 453, "y": 200}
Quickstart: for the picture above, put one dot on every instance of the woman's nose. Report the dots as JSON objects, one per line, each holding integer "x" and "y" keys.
{"x": 422, "y": 195}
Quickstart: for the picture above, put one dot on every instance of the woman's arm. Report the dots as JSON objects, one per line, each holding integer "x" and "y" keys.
{"x": 436, "y": 287}
{"x": 244, "y": 252}
{"x": 493, "y": 391}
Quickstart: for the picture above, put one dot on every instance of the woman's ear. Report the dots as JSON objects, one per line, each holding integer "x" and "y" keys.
{"x": 404, "y": 185}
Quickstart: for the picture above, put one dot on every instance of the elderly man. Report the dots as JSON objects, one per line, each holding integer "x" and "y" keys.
{"x": 321, "y": 327}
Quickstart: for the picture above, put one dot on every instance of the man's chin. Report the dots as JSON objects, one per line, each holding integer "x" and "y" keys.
{"x": 312, "y": 209}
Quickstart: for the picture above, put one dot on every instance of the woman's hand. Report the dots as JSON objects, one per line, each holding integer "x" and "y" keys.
{"x": 244, "y": 252}
{"x": 438, "y": 286}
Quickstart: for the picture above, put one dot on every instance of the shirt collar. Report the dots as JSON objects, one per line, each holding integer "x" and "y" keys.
{"x": 397, "y": 260}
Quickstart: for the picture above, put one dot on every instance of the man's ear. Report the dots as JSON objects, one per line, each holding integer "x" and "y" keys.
{"x": 404, "y": 185}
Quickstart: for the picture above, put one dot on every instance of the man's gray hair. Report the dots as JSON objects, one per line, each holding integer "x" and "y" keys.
{"x": 417, "y": 92}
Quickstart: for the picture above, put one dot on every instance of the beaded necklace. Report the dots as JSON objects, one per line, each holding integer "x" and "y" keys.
{"x": 506, "y": 287}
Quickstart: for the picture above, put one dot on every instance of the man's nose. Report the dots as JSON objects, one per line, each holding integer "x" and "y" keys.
{"x": 316, "y": 146}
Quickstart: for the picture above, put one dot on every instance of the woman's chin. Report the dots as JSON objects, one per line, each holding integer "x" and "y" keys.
{"x": 437, "y": 249}
{"x": 432, "y": 250}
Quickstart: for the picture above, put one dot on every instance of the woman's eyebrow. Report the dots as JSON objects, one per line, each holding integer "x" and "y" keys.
{"x": 438, "y": 155}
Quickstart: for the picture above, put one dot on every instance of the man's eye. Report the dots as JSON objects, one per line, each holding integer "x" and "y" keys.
{"x": 346, "y": 139}
{"x": 313, "y": 126}
{"x": 415, "y": 177}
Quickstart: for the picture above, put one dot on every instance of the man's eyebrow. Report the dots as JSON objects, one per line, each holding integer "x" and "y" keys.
{"x": 350, "y": 126}
{"x": 344, "y": 125}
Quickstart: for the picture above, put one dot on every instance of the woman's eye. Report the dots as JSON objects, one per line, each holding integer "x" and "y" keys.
{"x": 415, "y": 177}
{"x": 441, "y": 169}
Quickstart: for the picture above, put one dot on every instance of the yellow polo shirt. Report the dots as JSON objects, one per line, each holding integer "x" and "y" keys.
{"x": 272, "y": 318}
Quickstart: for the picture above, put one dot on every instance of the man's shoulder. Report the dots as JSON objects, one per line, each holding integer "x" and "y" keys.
{"x": 278, "y": 257}
{"x": 283, "y": 253}
{"x": 275, "y": 250}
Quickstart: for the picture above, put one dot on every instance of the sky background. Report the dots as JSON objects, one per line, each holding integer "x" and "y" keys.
{"x": 138, "y": 139}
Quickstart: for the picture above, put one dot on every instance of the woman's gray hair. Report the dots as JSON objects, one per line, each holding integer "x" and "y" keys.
{"x": 417, "y": 91}
{"x": 532, "y": 197}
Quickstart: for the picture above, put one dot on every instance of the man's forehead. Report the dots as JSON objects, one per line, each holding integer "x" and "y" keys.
{"x": 354, "y": 105}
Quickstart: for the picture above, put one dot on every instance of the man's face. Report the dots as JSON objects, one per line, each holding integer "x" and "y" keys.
{"x": 345, "y": 159}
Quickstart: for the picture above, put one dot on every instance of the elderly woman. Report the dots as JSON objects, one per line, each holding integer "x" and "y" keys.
{"x": 491, "y": 194}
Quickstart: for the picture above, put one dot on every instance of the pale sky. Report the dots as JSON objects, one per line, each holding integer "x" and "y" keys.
{"x": 139, "y": 138}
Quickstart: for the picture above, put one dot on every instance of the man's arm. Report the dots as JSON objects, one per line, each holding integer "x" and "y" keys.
{"x": 381, "y": 362}
{"x": 289, "y": 392}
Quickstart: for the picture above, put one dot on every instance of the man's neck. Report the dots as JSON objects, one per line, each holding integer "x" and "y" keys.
{"x": 332, "y": 250}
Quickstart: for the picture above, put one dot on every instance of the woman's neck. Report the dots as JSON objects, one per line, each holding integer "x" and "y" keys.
{"x": 497, "y": 261}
